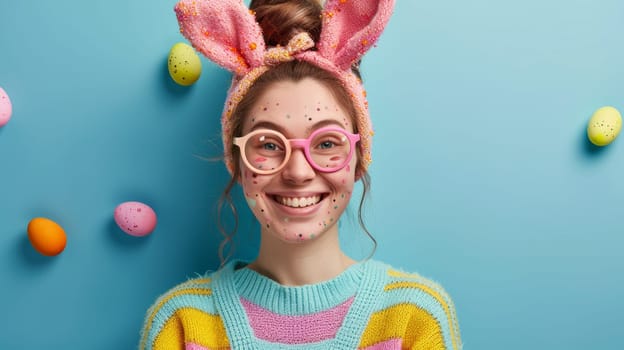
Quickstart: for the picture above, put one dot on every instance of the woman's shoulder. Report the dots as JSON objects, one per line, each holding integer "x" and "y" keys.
{"x": 195, "y": 293}
{"x": 409, "y": 284}
{"x": 186, "y": 301}
{"x": 396, "y": 277}
{"x": 406, "y": 292}
{"x": 200, "y": 284}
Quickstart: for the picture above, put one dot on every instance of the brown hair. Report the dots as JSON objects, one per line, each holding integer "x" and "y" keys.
{"x": 280, "y": 20}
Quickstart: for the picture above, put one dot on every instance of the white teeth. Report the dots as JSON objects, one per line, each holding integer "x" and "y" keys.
{"x": 300, "y": 202}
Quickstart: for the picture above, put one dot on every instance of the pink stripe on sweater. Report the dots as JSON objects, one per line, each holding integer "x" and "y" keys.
{"x": 193, "y": 346}
{"x": 392, "y": 344}
{"x": 286, "y": 329}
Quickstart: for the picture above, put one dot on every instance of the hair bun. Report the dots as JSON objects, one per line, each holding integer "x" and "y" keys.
{"x": 280, "y": 20}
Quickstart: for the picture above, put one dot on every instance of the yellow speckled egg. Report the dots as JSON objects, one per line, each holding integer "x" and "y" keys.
{"x": 604, "y": 126}
{"x": 46, "y": 236}
{"x": 184, "y": 64}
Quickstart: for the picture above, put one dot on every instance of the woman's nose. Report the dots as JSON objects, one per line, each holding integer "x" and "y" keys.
{"x": 298, "y": 169}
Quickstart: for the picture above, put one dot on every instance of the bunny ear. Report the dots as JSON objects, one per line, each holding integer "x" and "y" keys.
{"x": 351, "y": 28}
{"x": 225, "y": 31}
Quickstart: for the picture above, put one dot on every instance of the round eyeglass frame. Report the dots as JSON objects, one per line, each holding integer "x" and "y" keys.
{"x": 304, "y": 144}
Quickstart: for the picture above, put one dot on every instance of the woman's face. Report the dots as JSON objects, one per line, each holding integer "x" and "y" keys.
{"x": 298, "y": 203}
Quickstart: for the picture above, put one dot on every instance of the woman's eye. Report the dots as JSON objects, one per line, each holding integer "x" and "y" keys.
{"x": 270, "y": 146}
{"x": 326, "y": 144}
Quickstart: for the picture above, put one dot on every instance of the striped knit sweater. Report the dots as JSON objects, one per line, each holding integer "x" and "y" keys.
{"x": 369, "y": 306}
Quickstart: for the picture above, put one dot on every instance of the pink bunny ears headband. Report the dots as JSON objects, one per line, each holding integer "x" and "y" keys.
{"x": 226, "y": 32}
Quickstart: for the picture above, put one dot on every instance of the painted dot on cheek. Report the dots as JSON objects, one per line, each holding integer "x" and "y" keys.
{"x": 251, "y": 202}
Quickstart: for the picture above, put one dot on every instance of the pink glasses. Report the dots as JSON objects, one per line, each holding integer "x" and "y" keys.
{"x": 327, "y": 149}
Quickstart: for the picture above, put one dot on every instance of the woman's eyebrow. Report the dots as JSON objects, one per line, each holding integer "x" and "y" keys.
{"x": 267, "y": 125}
{"x": 323, "y": 123}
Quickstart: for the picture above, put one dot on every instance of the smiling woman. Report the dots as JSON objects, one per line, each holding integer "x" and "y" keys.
{"x": 297, "y": 137}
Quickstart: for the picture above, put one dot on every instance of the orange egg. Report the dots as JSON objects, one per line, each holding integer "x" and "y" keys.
{"x": 46, "y": 236}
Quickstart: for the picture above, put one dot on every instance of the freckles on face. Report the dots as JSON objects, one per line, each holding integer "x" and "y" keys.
{"x": 292, "y": 228}
{"x": 296, "y": 110}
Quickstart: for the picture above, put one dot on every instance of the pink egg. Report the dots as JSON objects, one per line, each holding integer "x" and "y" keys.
{"x": 135, "y": 218}
{"x": 5, "y": 108}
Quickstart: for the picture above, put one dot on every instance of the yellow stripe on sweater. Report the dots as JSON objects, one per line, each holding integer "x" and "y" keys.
{"x": 164, "y": 300}
{"x": 433, "y": 285}
{"x": 435, "y": 294}
{"x": 190, "y": 325}
{"x": 417, "y": 327}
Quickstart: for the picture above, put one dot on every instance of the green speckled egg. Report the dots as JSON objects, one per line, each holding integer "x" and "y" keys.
{"x": 184, "y": 64}
{"x": 604, "y": 126}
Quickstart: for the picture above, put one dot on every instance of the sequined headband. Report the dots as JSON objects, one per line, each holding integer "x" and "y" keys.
{"x": 226, "y": 32}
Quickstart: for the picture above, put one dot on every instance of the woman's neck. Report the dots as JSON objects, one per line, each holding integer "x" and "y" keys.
{"x": 296, "y": 264}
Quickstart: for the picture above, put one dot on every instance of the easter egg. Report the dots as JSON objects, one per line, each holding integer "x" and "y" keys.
{"x": 5, "y": 108}
{"x": 135, "y": 218}
{"x": 184, "y": 64}
{"x": 604, "y": 126}
{"x": 46, "y": 236}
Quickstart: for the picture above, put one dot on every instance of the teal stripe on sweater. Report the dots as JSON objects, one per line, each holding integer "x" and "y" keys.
{"x": 424, "y": 281}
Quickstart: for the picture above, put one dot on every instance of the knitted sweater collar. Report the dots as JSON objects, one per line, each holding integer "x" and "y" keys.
{"x": 296, "y": 300}
{"x": 364, "y": 281}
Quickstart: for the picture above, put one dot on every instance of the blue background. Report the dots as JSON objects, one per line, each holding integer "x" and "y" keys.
{"x": 483, "y": 178}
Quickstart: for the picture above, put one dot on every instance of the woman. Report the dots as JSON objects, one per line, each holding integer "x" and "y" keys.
{"x": 297, "y": 137}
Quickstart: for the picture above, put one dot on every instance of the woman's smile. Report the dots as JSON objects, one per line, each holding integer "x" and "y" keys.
{"x": 299, "y": 205}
